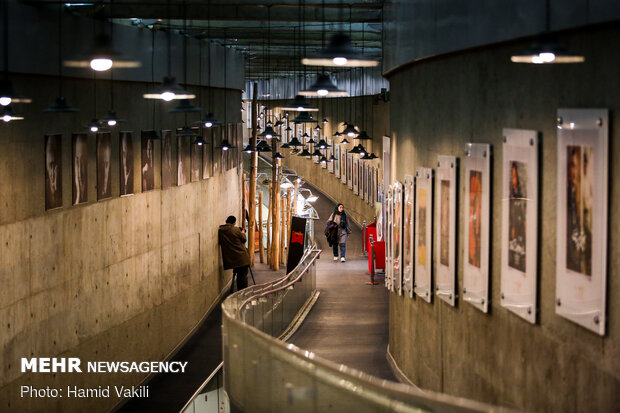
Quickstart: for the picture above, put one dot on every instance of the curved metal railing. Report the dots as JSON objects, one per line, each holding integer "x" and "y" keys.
{"x": 263, "y": 373}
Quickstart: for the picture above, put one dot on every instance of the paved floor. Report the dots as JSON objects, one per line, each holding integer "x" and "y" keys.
{"x": 349, "y": 322}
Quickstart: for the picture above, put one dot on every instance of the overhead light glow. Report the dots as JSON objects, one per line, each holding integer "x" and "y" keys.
{"x": 167, "y": 96}
{"x": 340, "y": 61}
{"x": 101, "y": 65}
{"x": 208, "y": 124}
{"x": 94, "y": 128}
{"x": 112, "y": 122}
{"x": 5, "y": 100}
{"x": 322, "y": 92}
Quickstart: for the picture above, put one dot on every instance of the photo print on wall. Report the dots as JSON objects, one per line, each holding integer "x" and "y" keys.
{"x": 148, "y": 164}
{"x": 126, "y": 163}
{"x": 446, "y": 183}
{"x": 519, "y": 222}
{"x": 581, "y": 257}
{"x": 53, "y": 171}
{"x": 423, "y": 233}
{"x": 104, "y": 161}
{"x": 476, "y": 225}
{"x": 408, "y": 235}
{"x": 168, "y": 166}
{"x": 80, "y": 168}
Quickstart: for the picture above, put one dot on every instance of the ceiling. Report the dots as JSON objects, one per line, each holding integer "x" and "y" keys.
{"x": 273, "y": 35}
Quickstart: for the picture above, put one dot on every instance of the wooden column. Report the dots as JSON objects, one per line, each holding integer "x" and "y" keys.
{"x": 253, "y": 174}
{"x": 261, "y": 247}
{"x": 270, "y": 225}
{"x": 289, "y": 214}
{"x": 282, "y": 228}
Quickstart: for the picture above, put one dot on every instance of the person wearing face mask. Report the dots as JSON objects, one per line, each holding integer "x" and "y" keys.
{"x": 340, "y": 218}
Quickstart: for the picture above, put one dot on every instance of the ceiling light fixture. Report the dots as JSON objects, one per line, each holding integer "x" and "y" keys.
{"x": 8, "y": 115}
{"x": 546, "y": 49}
{"x": 200, "y": 141}
{"x": 324, "y": 87}
{"x": 169, "y": 89}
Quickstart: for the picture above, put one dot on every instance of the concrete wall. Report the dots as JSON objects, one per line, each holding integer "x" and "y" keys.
{"x": 119, "y": 279}
{"x": 336, "y": 111}
{"x": 437, "y": 106}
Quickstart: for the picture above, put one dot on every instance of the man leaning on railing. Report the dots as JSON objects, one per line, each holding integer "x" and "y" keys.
{"x": 234, "y": 254}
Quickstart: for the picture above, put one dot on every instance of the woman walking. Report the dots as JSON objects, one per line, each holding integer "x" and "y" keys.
{"x": 339, "y": 217}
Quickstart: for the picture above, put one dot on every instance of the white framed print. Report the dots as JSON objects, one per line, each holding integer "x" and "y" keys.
{"x": 356, "y": 172}
{"x": 581, "y": 257}
{"x": 343, "y": 164}
{"x": 397, "y": 237}
{"x": 337, "y": 160}
{"x": 445, "y": 227}
{"x": 423, "y": 240}
{"x": 350, "y": 170}
{"x": 408, "y": 234}
{"x": 477, "y": 225}
{"x": 519, "y": 222}
{"x": 330, "y": 153}
{"x": 364, "y": 180}
{"x": 389, "y": 270}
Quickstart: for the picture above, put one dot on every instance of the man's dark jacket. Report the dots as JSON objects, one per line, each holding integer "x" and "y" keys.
{"x": 232, "y": 241}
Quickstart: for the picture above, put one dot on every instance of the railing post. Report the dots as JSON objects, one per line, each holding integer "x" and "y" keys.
{"x": 364, "y": 237}
{"x": 372, "y": 262}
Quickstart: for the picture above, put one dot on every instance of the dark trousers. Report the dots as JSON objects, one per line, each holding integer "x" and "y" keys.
{"x": 241, "y": 273}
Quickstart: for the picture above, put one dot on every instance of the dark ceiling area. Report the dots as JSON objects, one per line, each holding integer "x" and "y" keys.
{"x": 273, "y": 35}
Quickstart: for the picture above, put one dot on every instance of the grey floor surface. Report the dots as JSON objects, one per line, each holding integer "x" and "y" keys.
{"x": 349, "y": 322}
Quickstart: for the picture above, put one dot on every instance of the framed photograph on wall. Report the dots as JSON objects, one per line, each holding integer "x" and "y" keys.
{"x": 343, "y": 164}
{"x": 350, "y": 170}
{"x": 53, "y": 171}
{"x": 337, "y": 162}
{"x": 196, "y": 162}
{"x": 80, "y": 168}
{"x": 104, "y": 165}
{"x": 207, "y": 154}
{"x": 408, "y": 234}
{"x": 581, "y": 271}
{"x": 216, "y": 157}
{"x": 423, "y": 234}
{"x": 397, "y": 237}
{"x": 389, "y": 268}
{"x": 168, "y": 167}
{"x": 445, "y": 227}
{"x": 477, "y": 225}
{"x": 147, "y": 163}
{"x": 356, "y": 170}
{"x": 330, "y": 153}
{"x": 519, "y": 222}
{"x": 183, "y": 160}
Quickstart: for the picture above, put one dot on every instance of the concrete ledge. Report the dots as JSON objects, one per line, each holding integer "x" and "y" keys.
{"x": 400, "y": 375}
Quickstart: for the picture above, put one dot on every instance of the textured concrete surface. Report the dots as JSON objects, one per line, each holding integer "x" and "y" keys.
{"x": 119, "y": 279}
{"x": 437, "y": 106}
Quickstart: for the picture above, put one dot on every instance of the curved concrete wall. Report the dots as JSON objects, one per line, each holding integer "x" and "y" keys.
{"x": 437, "y": 106}
{"x": 123, "y": 279}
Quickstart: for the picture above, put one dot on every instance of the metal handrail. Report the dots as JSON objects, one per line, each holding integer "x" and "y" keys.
{"x": 283, "y": 287}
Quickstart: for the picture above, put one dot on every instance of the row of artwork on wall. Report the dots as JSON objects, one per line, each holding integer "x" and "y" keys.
{"x": 190, "y": 163}
{"x": 361, "y": 176}
{"x": 581, "y": 232}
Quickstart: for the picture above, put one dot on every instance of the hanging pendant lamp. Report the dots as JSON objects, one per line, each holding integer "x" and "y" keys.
{"x": 345, "y": 141}
{"x": 102, "y": 56}
{"x": 278, "y": 156}
{"x": 263, "y": 146}
{"x": 295, "y": 142}
{"x": 249, "y": 148}
{"x": 285, "y": 145}
{"x": 200, "y": 141}
{"x": 111, "y": 119}
{"x": 186, "y": 131}
{"x": 304, "y": 117}
{"x": 340, "y": 53}
{"x": 208, "y": 121}
{"x": 60, "y": 105}
{"x": 304, "y": 153}
{"x": 184, "y": 106}
{"x": 268, "y": 133}
{"x": 323, "y": 86}
{"x": 363, "y": 136}
{"x": 350, "y": 131}
{"x": 299, "y": 103}
{"x": 8, "y": 115}
{"x": 225, "y": 145}
{"x": 547, "y": 50}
